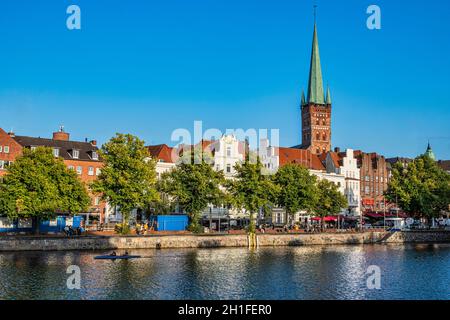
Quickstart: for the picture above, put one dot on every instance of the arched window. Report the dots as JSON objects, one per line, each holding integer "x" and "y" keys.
{"x": 317, "y": 136}
{"x": 324, "y": 136}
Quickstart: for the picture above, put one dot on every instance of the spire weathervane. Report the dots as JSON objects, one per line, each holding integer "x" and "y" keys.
{"x": 315, "y": 12}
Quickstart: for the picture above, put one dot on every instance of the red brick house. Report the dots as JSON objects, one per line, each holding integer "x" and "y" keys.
{"x": 10, "y": 149}
{"x": 374, "y": 179}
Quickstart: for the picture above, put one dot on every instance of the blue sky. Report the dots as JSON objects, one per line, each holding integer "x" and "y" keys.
{"x": 149, "y": 67}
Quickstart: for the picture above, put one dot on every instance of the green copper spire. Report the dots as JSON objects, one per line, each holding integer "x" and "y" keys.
{"x": 315, "y": 85}
{"x": 303, "y": 98}
{"x": 429, "y": 153}
{"x": 328, "y": 98}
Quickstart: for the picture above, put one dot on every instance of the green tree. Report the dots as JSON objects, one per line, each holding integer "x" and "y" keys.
{"x": 193, "y": 185}
{"x": 252, "y": 190}
{"x": 421, "y": 188}
{"x": 128, "y": 177}
{"x": 329, "y": 200}
{"x": 297, "y": 189}
{"x": 38, "y": 186}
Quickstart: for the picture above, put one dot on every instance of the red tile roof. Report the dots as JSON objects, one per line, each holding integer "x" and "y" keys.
{"x": 299, "y": 156}
{"x": 336, "y": 158}
{"x": 316, "y": 163}
{"x": 162, "y": 152}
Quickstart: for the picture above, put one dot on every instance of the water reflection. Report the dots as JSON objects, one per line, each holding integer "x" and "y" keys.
{"x": 315, "y": 272}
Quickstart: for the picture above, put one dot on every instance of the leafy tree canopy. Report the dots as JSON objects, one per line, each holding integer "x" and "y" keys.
{"x": 421, "y": 188}
{"x": 297, "y": 188}
{"x": 252, "y": 190}
{"x": 128, "y": 177}
{"x": 193, "y": 185}
{"x": 329, "y": 200}
{"x": 39, "y": 185}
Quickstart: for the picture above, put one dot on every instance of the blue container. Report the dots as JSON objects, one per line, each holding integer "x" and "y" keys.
{"x": 169, "y": 223}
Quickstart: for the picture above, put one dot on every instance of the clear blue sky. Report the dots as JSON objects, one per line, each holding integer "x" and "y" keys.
{"x": 149, "y": 67}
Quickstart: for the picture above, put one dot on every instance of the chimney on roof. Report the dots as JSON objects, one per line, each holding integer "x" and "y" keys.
{"x": 11, "y": 134}
{"x": 93, "y": 143}
{"x": 337, "y": 149}
{"x": 61, "y": 135}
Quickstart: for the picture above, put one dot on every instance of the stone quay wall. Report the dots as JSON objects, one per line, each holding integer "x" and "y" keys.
{"x": 12, "y": 243}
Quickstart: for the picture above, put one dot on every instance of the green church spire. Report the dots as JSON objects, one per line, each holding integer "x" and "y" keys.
{"x": 328, "y": 98}
{"x": 303, "y": 98}
{"x": 429, "y": 153}
{"x": 315, "y": 85}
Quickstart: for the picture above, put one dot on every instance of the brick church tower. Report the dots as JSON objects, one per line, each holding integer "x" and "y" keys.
{"x": 316, "y": 107}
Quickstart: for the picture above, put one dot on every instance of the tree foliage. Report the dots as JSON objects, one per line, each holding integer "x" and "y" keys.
{"x": 252, "y": 190}
{"x": 297, "y": 189}
{"x": 421, "y": 188}
{"x": 329, "y": 200}
{"x": 128, "y": 177}
{"x": 39, "y": 185}
{"x": 193, "y": 185}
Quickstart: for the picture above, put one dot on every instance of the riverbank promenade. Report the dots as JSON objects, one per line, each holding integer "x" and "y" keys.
{"x": 184, "y": 240}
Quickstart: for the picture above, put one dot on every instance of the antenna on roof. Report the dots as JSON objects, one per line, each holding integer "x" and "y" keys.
{"x": 61, "y": 128}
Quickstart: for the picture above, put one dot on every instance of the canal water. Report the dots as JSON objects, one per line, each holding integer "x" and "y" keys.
{"x": 313, "y": 272}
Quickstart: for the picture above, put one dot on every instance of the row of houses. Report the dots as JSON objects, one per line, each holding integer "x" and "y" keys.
{"x": 362, "y": 177}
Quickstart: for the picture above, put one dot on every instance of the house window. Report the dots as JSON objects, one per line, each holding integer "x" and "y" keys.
{"x": 228, "y": 151}
{"x": 98, "y": 171}
{"x": 96, "y": 201}
{"x": 71, "y": 167}
{"x": 228, "y": 168}
{"x": 1, "y": 148}
{"x": 79, "y": 170}
{"x": 2, "y": 164}
{"x": 94, "y": 155}
{"x": 75, "y": 154}
{"x": 6, "y": 149}
{"x": 91, "y": 171}
{"x": 56, "y": 152}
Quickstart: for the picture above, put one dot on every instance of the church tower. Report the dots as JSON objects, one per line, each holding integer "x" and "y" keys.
{"x": 316, "y": 107}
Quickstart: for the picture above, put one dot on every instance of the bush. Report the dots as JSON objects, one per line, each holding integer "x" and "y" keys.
{"x": 122, "y": 228}
{"x": 196, "y": 227}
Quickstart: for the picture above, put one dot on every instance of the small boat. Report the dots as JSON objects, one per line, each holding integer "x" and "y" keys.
{"x": 111, "y": 257}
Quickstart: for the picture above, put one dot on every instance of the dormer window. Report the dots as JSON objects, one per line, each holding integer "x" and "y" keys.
{"x": 56, "y": 152}
{"x": 75, "y": 154}
{"x": 94, "y": 155}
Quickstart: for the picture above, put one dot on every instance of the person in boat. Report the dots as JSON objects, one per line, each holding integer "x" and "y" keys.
{"x": 126, "y": 253}
{"x": 113, "y": 254}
